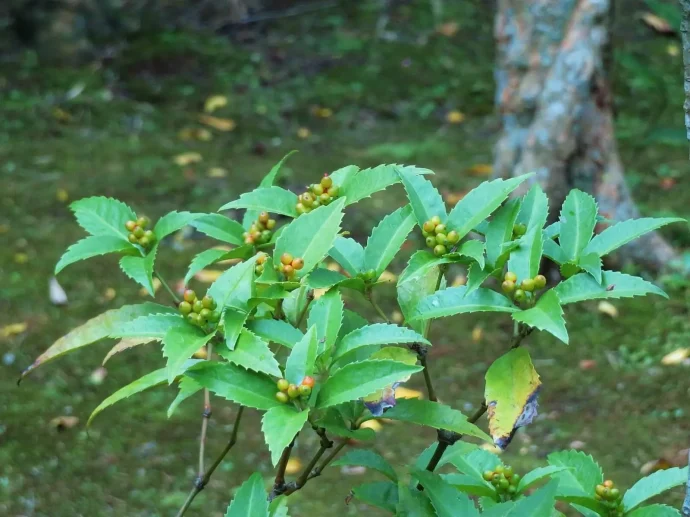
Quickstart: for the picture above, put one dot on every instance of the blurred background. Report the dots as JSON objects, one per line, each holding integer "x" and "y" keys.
{"x": 183, "y": 104}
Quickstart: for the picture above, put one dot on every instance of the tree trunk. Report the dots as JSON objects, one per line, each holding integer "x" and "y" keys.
{"x": 555, "y": 105}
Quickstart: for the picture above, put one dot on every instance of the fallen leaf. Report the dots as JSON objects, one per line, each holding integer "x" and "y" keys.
{"x": 63, "y": 422}
{"x": 481, "y": 169}
{"x": 221, "y": 124}
{"x": 185, "y": 159}
{"x": 318, "y": 293}
{"x": 56, "y": 293}
{"x": 448, "y": 29}
{"x": 667, "y": 183}
{"x": 208, "y": 276}
{"x": 657, "y": 23}
{"x": 324, "y": 112}
{"x": 215, "y": 102}
{"x": 455, "y": 117}
{"x": 676, "y": 357}
{"x": 655, "y": 465}
{"x": 491, "y": 448}
{"x": 61, "y": 115}
{"x": 294, "y": 465}
{"x": 156, "y": 286}
{"x": 608, "y": 309}
{"x": 374, "y": 425}
{"x": 13, "y": 329}
{"x": 217, "y": 172}
{"x": 61, "y": 195}
{"x": 195, "y": 133}
{"x": 406, "y": 393}
{"x": 453, "y": 197}
{"x": 333, "y": 266}
{"x": 303, "y": 133}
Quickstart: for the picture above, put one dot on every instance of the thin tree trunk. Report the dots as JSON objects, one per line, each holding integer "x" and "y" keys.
{"x": 555, "y": 103}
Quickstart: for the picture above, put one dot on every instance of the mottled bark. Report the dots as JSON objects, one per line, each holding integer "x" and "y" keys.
{"x": 555, "y": 103}
{"x": 685, "y": 32}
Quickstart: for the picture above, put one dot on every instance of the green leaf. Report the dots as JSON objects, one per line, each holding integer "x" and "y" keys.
{"x": 387, "y": 239}
{"x": 476, "y": 277}
{"x": 151, "y": 326}
{"x": 220, "y": 227}
{"x": 476, "y": 462}
{"x": 326, "y": 315}
{"x": 512, "y": 384}
{"x": 369, "y": 459}
{"x": 252, "y": 353}
{"x": 377, "y": 334}
{"x": 357, "y": 380}
{"x": 96, "y": 329}
{"x": 540, "y": 503}
{"x": 179, "y": 344}
{"x": 208, "y": 257}
{"x": 93, "y": 246}
{"x": 470, "y": 485}
{"x": 382, "y": 494}
{"x": 322, "y": 278}
{"x": 188, "y": 387}
{"x": 236, "y": 384}
{"x": 447, "y": 500}
{"x": 480, "y": 202}
{"x": 252, "y": 215}
{"x": 653, "y": 485}
{"x": 583, "y": 473}
{"x": 301, "y": 361}
{"x": 552, "y": 231}
{"x": 655, "y": 510}
{"x": 172, "y": 222}
{"x": 140, "y": 269}
{"x": 250, "y": 499}
{"x": 621, "y": 233}
{"x": 456, "y": 300}
{"x": 266, "y": 199}
{"x": 235, "y": 286}
{"x": 425, "y": 200}
{"x": 546, "y": 315}
{"x": 472, "y": 249}
{"x": 233, "y": 323}
{"x": 334, "y": 423}
{"x": 349, "y": 254}
{"x": 413, "y": 503}
{"x": 149, "y": 380}
{"x": 311, "y": 236}
{"x": 500, "y": 230}
{"x": 280, "y": 425}
{"x": 342, "y": 175}
{"x": 525, "y": 260}
{"x": 592, "y": 264}
{"x": 582, "y": 287}
{"x": 295, "y": 304}
{"x": 536, "y": 475}
{"x": 578, "y": 218}
{"x": 103, "y": 216}
{"x": 534, "y": 209}
{"x": 433, "y": 414}
{"x": 362, "y": 184}
{"x": 276, "y": 331}
{"x": 553, "y": 251}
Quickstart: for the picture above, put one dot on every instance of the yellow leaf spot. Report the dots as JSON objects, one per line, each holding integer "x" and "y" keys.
{"x": 156, "y": 286}
{"x": 61, "y": 195}
{"x": 21, "y": 258}
{"x": 676, "y": 357}
{"x": 374, "y": 425}
{"x": 294, "y": 465}
{"x": 215, "y": 102}
{"x": 455, "y": 117}
{"x": 13, "y": 329}
{"x": 481, "y": 169}
{"x": 208, "y": 276}
{"x": 221, "y": 124}
{"x": 185, "y": 159}
{"x": 388, "y": 276}
{"x": 303, "y": 133}
{"x": 608, "y": 309}
{"x": 406, "y": 393}
{"x": 217, "y": 172}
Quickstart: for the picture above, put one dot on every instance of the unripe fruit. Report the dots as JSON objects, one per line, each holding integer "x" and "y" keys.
{"x": 439, "y": 250}
{"x": 256, "y": 235}
{"x": 370, "y": 275}
{"x": 282, "y": 397}
{"x": 317, "y": 189}
{"x": 298, "y": 263}
{"x": 508, "y": 471}
{"x": 608, "y": 483}
{"x": 150, "y": 235}
{"x": 130, "y": 225}
{"x": 512, "y": 490}
{"x": 197, "y": 306}
{"x": 307, "y": 199}
{"x": 508, "y": 286}
{"x": 143, "y": 221}
{"x": 266, "y": 236}
{"x": 308, "y": 381}
{"x": 263, "y": 217}
{"x": 304, "y": 391}
{"x": 431, "y": 241}
{"x": 189, "y": 296}
{"x": 453, "y": 237}
{"x": 300, "y": 208}
{"x": 144, "y": 242}
{"x": 436, "y": 220}
{"x": 515, "y": 479}
{"x": 519, "y": 230}
{"x": 428, "y": 227}
{"x": 280, "y": 266}
{"x": 488, "y": 475}
{"x": 496, "y": 478}
{"x": 194, "y": 318}
{"x": 132, "y": 238}
{"x": 527, "y": 285}
{"x": 333, "y": 192}
{"x": 519, "y": 295}
{"x": 286, "y": 258}
{"x": 293, "y": 391}
{"x": 288, "y": 270}
{"x": 259, "y": 269}
{"x": 326, "y": 182}
{"x": 441, "y": 238}
{"x": 540, "y": 281}
{"x": 499, "y": 469}
{"x": 261, "y": 258}
{"x": 283, "y": 384}
{"x": 185, "y": 307}
{"x": 316, "y": 204}
{"x": 503, "y": 484}
{"x": 510, "y": 276}
{"x": 138, "y": 232}
{"x": 271, "y": 224}
{"x": 441, "y": 228}
{"x": 614, "y": 494}
{"x": 249, "y": 240}
{"x": 214, "y": 317}
{"x": 205, "y": 313}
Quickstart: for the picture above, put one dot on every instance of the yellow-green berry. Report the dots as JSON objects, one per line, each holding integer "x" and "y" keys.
{"x": 540, "y": 281}
{"x": 527, "y": 285}
{"x": 138, "y": 232}
{"x": 508, "y": 287}
{"x": 208, "y": 302}
{"x": 510, "y": 276}
{"x": 282, "y": 397}
{"x": 185, "y": 307}
{"x": 519, "y": 295}
{"x": 436, "y": 220}
{"x": 453, "y": 237}
{"x": 441, "y": 228}
{"x": 293, "y": 391}
{"x": 197, "y": 306}
{"x": 439, "y": 250}
{"x": 189, "y": 296}
{"x": 431, "y": 241}
{"x": 283, "y": 385}
{"x": 428, "y": 227}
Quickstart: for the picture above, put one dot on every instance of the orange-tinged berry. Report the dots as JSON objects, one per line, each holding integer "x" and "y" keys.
{"x": 298, "y": 263}
{"x": 428, "y": 227}
{"x": 308, "y": 381}
{"x": 288, "y": 270}
{"x": 189, "y": 296}
{"x": 286, "y": 258}
{"x": 263, "y": 217}
{"x": 130, "y": 225}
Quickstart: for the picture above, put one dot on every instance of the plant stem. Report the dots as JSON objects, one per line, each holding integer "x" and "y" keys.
{"x": 378, "y": 310}
{"x": 202, "y": 481}
{"x": 310, "y": 297}
{"x": 306, "y": 473}
{"x": 318, "y": 470}
{"x": 175, "y": 298}
{"x": 427, "y": 377}
{"x": 279, "y": 482}
{"x": 205, "y": 416}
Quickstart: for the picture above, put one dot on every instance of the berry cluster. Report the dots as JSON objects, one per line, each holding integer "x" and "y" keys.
{"x": 198, "y": 312}
{"x": 287, "y": 392}
{"x": 260, "y": 232}
{"x": 519, "y": 230}
{"x": 138, "y": 234}
{"x": 260, "y": 261}
{"x": 289, "y": 265}
{"x": 611, "y": 497}
{"x": 437, "y": 237}
{"x": 318, "y": 194}
{"x": 503, "y": 478}
{"x": 528, "y": 285}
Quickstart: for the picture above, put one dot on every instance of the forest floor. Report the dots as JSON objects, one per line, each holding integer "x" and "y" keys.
{"x": 325, "y": 85}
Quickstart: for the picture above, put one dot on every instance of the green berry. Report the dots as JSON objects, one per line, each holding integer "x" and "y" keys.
{"x": 194, "y": 318}
{"x": 143, "y": 221}
{"x": 515, "y": 479}
{"x": 441, "y": 228}
{"x": 510, "y": 276}
{"x": 307, "y": 199}
{"x": 271, "y": 224}
{"x": 282, "y": 397}
{"x": 499, "y": 469}
{"x": 214, "y": 317}
{"x": 333, "y": 192}
{"x": 614, "y": 494}
{"x": 512, "y": 490}
{"x": 259, "y": 269}
{"x": 266, "y": 236}
{"x": 130, "y": 225}
{"x": 508, "y": 471}
{"x": 144, "y": 242}
{"x": 293, "y": 391}
{"x": 508, "y": 286}
{"x": 527, "y": 285}
{"x": 283, "y": 385}
{"x": 205, "y": 313}
{"x": 519, "y": 295}
{"x": 316, "y": 204}
{"x": 133, "y": 238}
{"x": 488, "y": 475}
{"x": 453, "y": 237}
{"x": 326, "y": 182}
{"x": 189, "y": 296}
{"x": 370, "y": 275}
{"x": 263, "y": 217}
{"x": 540, "y": 281}
{"x": 138, "y": 232}
{"x": 305, "y": 391}
{"x": 441, "y": 238}
{"x": 197, "y": 306}
{"x": 431, "y": 241}
{"x": 503, "y": 484}
{"x": 519, "y": 230}
{"x": 185, "y": 307}
{"x": 439, "y": 250}
{"x": 300, "y": 208}
{"x": 428, "y": 227}
{"x": 208, "y": 302}
{"x": 317, "y": 189}
{"x": 436, "y": 220}
{"x": 325, "y": 199}
{"x": 150, "y": 235}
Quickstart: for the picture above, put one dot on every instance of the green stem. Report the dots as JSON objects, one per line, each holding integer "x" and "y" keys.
{"x": 373, "y": 303}
{"x": 175, "y": 298}
{"x": 306, "y": 473}
{"x": 427, "y": 378}
{"x": 202, "y": 481}
{"x": 310, "y": 297}
{"x": 279, "y": 482}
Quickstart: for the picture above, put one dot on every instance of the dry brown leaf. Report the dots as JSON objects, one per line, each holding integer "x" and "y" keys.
{"x": 185, "y": 159}
{"x": 318, "y": 293}
{"x": 221, "y": 124}
{"x": 608, "y": 309}
{"x": 676, "y": 357}
{"x": 13, "y": 329}
{"x": 448, "y": 29}
{"x": 655, "y": 465}
{"x": 63, "y": 422}
{"x": 215, "y": 102}
{"x": 458, "y": 281}
{"x": 202, "y": 353}
{"x": 61, "y": 115}
{"x": 453, "y": 197}
{"x": 481, "y": 169}
{"x": 657, "y": 23}
{"x": 333, "y": 266}
{"x": 388, "y": 276}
